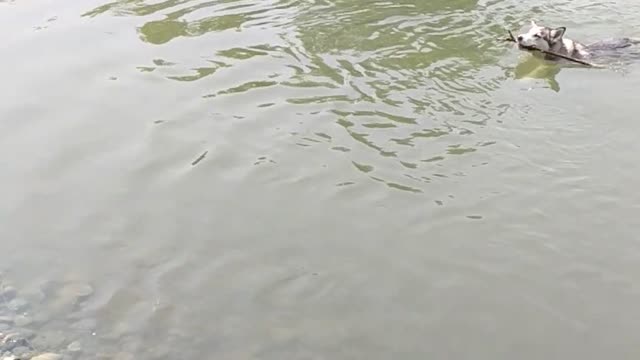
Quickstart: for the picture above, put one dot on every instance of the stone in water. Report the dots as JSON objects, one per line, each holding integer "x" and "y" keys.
{"x": 48, "y": 356}
{"x": 76, "y": 291}
{"x": 75, "y": 347}
{"x": 18, "y": 305}
{"x": 23, "y": 320}
{"x": 8, "y": 293}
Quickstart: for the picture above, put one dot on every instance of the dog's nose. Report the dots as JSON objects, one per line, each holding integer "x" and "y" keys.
{"x": 520, "y": 38}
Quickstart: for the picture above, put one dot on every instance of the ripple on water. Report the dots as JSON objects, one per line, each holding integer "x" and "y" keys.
{"x": 402, "y": 87}
{"x": 386, "y": 101}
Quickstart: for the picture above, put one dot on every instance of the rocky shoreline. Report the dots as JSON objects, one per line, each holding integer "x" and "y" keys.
{"x": 19, "y": 338}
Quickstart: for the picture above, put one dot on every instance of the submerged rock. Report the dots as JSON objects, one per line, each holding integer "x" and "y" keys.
{"x": 88, "y": 325}
{"x": 12, "y": 341}
{"x": 22, "y": 320}
{"x": 51, "y": 340}
{"x": 76, "y": 291}
{"x": 21, "y": 351}
{"x": 18, "y": 305}
{"x": 75, "y": 347}
{"x": 8, "y": 293}
{"x": 117, "y": 356}
{"x": 27, "y": 334}
{"x": 47, "y": 356}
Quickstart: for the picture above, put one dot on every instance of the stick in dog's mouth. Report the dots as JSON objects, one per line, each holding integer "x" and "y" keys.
{"x": 512, "y": 38}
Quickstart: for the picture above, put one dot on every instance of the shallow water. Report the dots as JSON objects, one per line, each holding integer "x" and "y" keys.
{"x": 321, "y": 179}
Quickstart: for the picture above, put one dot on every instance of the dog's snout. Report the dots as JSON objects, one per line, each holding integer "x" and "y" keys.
{"x": 520, "y": 38}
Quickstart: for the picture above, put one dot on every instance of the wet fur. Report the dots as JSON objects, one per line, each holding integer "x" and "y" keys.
{"x": 548, "y": 39}
{"x": 553, "y": 39}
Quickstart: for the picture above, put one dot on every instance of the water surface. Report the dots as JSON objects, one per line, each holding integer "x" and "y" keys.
{"x": 326, "y": 179}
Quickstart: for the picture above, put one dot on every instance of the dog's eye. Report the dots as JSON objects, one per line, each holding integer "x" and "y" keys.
{"x": 537, "y": 36}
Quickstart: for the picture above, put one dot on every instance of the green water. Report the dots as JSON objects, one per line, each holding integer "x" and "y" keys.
{"x": 321, "y": 179}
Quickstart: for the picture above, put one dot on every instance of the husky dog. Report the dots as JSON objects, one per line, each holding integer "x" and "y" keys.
{"x": 549, "y": 39}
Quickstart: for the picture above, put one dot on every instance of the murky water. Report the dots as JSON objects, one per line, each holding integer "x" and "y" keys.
{"x": 320, "y": 179}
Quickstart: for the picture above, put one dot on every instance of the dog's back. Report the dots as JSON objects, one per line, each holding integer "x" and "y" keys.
{"x": 552, "y": 39}
{"x": 611, "y": 44}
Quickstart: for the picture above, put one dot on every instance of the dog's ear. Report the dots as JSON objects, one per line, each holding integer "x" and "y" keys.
{"x": 533, "y": 23}
{"x": 557, "y": 33}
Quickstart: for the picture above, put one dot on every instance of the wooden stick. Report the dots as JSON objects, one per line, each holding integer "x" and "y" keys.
{"x": 512, "y": 38}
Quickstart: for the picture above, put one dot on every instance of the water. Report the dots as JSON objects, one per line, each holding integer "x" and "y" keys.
{"x": 320, "y": 179}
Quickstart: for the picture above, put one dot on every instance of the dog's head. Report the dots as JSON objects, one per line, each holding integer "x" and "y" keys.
{"x": 541, "y": 37}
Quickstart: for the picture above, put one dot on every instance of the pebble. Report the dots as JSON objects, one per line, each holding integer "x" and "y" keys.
{"x": 47, "y": 356}
{"x": 75, "y": 347}
{"x": 85, "y": 325}
{"x": 12, "y": 341}
{"x": 27, "y": 334}
{"x": 112, "y": 356}
{"x": 8, "y": 293}
{"x": 23, "y": 320}
{"x": 18, "y": 305}
{"x": 76, "y": 291}
{"x": 49, "y": 340}
{"x": 21, "y": 351}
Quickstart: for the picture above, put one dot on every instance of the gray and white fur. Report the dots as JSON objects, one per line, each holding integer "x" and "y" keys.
{"x": 552, "y": 39}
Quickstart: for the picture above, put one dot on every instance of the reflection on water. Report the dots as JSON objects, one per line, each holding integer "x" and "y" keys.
{"x": 535, "y": 68}
{"x": 336, "y": 59}
{"x": 315, "y": 179}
